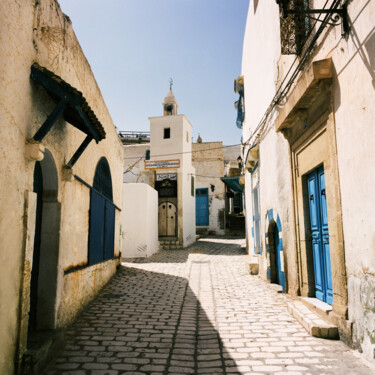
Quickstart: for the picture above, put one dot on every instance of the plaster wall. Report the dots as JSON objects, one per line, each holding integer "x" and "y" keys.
{"x": 140, "y": 221}
{"x": 276, "y": 194}
{"x": 46, "y": 36}
{"x": 261, "y": 56}
{"x": 352, "y": 136}
{"x": 209, "y": 167}
{"x": 177, "y": 147}
{"x": 188, "y": 207}
{"x": 134, "y": 157}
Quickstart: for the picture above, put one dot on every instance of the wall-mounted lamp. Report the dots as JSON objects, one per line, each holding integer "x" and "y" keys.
{"x": 239, "y": 161}
{"x": 212, "y": 187}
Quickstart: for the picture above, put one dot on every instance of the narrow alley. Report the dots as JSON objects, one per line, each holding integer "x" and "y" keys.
{"x": 196, "y": 311}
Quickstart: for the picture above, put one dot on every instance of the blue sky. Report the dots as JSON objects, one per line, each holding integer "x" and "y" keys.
{"x": 135, "y": 46}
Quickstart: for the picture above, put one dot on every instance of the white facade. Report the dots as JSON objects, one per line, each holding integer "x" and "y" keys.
{"x": 170, "y": 141}
{"x": 166, "y": 165}
{"x": 333, "y": 130}
{"x": 140, "y": 221}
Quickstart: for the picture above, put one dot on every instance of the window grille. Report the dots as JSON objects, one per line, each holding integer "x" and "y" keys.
{"x": 295, "y": 29}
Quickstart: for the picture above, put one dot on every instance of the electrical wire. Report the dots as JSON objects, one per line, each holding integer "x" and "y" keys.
{"x": 280, "y": 95}
{"x": 184, "y": 152}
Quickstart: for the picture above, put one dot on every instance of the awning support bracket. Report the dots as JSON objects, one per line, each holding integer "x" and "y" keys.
{"x": 79, "y": 152}
{"x": 50, "y": 121}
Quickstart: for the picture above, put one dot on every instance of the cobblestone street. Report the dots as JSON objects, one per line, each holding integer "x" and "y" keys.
{"x": 196, "y": 311}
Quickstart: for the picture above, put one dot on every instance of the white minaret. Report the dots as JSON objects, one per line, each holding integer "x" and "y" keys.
{"x": 171, "y": 159}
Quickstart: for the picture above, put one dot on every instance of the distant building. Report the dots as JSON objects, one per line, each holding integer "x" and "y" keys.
{"x": 218, "y": 195}
{"x": 219, "y": 198}
{"x": 163, "y": 160}
{"x": 61, "y": 183}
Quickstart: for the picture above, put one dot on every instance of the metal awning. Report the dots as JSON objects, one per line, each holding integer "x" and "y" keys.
{"x": 72, "y": 105}
{"x": 233, "y": 183}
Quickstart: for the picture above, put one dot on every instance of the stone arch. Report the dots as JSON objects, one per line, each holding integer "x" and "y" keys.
{"x": 44, "y": 274}
{"x": 275, "y": 249}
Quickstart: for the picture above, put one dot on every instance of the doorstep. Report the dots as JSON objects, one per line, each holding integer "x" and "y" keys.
{"x": 309, "y": 315}
{"x": 42, "y": 348}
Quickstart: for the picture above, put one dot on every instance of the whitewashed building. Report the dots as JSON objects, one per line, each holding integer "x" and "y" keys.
{"x": 306, "y": 109}
{"x": 165, "y": 163}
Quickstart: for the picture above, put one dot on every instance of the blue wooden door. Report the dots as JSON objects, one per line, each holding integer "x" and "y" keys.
{"x": 280, "y": 279}
{"x": 109, "y": 230}
{"x": 201, "y": 207}
{"x": 102, "y": 228}
{"x": 96, "y": 232}
{"x": 320, "y": 235}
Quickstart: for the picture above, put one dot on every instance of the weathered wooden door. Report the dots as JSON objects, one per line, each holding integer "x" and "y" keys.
{"x": 320, "y": 235}
{"x": 167, "y": 219}
{"x": 201, "y": 207}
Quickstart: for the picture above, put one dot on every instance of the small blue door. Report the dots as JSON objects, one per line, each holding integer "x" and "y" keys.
{"x": 280, "y": 279}
{"x": 201, "y": 207}
{"x": 320, "y": 236}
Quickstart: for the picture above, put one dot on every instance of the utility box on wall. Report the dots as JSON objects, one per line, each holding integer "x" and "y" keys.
{"x": 140, "y": 221}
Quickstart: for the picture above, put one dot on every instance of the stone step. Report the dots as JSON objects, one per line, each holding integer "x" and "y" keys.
{"x": 42, "y": 349}
{"x": 314, "y": 324}
{"x": 169, "y": 242}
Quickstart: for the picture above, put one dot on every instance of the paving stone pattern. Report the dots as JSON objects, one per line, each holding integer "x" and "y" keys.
{"x": 196, "y": 311}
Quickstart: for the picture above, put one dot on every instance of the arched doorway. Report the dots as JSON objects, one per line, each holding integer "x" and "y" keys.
{"x": 102, "y": 215}
{"x": 275, "y": 251}
{"x": 44, "y": 271}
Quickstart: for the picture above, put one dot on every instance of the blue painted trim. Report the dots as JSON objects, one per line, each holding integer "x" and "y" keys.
{"x": 270, "y": 214}
{"x": 269, "y": 273}
{"x": 278, "y": 223}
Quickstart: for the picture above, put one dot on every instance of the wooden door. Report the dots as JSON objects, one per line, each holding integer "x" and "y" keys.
{"x": 201, "y": 207}
{"x": 167, "y": 219}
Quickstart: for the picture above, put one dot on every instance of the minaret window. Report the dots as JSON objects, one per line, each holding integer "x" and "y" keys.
{"x": 167, "y": 133}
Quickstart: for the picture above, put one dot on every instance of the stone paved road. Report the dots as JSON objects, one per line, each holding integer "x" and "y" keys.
{"x": 196, "y": 311}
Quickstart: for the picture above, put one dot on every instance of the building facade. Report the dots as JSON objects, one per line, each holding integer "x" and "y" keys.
{"x": 305, "y": 106}
{"x": 61, "y": 180}
{"x": 162, "y": 159}
{"x": 208, "y": 161}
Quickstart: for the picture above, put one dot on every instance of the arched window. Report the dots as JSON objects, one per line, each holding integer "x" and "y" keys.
{"x": 102, "y": 215}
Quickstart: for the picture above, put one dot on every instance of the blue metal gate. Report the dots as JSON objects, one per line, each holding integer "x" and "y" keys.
{"x": 201, "y": 207}
{"x": 320, "y": 235}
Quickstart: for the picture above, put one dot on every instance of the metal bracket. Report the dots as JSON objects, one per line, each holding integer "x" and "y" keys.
{"x": 337, "y": 16}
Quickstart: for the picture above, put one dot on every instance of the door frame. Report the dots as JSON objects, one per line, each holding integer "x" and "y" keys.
{"x": 314, "y": 147}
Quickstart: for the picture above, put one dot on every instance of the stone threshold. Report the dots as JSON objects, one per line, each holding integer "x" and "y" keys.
{"x": 42, "y": 349}
{"x": 313, "y": 315}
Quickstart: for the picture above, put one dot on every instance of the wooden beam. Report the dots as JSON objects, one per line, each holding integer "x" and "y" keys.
{"x": 51, "y": 119}
{"x": 79, "y": 152}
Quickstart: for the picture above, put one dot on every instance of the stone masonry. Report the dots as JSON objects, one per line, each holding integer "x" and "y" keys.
{"x": 196, "y": 311}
